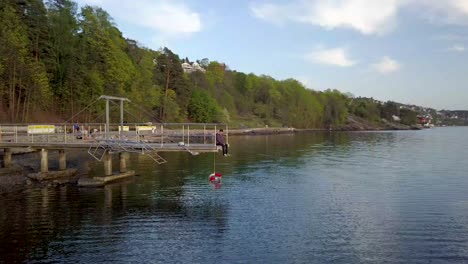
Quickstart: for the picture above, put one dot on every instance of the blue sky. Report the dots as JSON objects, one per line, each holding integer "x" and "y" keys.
{"x": 410, "y": 51}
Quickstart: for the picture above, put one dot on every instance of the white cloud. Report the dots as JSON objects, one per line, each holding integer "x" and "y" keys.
{"x": 365, "y": 16}
{"x": 269, "y": 12}
{"x": 457, "y": 48}
{"x": 368, "y": 17}
{"x": 446, "y": 12}
{"x": 165, "y": 17}
{"x": 335, "y": 57}
{"x": 387, "y": 65}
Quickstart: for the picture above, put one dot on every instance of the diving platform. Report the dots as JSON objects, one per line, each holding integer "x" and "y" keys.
{"x": 144, "y": 139}
{"x": 102, "y": 140}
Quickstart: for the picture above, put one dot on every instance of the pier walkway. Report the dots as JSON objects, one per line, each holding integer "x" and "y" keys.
{"x": 102, "y": 140}
{"x": 145, "y": 139}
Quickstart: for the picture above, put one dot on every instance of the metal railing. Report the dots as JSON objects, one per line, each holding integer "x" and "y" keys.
{"x": 183, "y": 134}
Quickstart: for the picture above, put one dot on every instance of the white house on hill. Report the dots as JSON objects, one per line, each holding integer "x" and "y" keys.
{"x": 192, "y": 68}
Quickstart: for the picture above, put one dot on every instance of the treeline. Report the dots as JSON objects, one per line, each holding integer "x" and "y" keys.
{"x": 56, "y": 59}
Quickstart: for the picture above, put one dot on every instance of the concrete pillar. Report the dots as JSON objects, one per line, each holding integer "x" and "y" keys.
{"x": 7, "y": 161}
{"x": 62, "y": 160}
{"x": 123, "y": 161}
{"x": 44, "y": 161}
{"x": 107, "y": 163}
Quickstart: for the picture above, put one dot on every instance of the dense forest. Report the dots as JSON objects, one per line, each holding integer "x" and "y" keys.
{"x": 56, "y": 58}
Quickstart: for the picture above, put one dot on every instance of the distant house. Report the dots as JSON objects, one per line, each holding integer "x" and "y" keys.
{"x": 425, "y": 120}
{"x": 396, "y": 118}
{"x": 189, "y": 68}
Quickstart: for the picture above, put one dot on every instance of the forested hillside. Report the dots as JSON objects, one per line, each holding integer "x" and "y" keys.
{"x": 56, "y": 58}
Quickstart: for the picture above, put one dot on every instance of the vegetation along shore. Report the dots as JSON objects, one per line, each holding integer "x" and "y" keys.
{"x": 56, "y": 58}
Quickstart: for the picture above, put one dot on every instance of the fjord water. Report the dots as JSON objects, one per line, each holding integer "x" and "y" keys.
{"x": 361, "y": 197}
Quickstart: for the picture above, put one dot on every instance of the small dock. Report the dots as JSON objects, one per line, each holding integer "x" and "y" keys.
{"x": 103, "y": 140}
{"x": 143, "y": 139}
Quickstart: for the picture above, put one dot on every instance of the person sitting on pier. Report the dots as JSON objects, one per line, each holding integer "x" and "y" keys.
{"x": 77, "y": 131}
{"x": 76, "y": 128}
{"x": 220, "y": 142}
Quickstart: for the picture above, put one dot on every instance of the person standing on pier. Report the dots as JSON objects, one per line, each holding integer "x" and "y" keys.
{"x": 220, "y": 142}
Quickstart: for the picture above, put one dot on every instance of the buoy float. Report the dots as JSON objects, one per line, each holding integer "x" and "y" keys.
{"x": 215, "y": 177}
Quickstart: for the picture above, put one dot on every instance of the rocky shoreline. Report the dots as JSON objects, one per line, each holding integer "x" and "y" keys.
{"x": 21, "y": 175}
{"x": 352, "y": 124}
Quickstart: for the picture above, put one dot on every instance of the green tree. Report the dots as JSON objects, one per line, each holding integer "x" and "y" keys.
{"x": 408, "y": 117}
{"x": 390, "y": 109}
{"x": 335, "y": 110}
{"x": 106, "y": 68}
{"x": 64, "y": 57}
{"x": 168, "y": 73}
{"x": 365, "y": 108}
{"x": 144, "y": 92}
{"x": 24, "y": 79}
{"x": 203, "y": 108}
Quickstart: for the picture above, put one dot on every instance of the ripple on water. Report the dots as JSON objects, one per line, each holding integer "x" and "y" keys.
{"x": 396, "y": 197}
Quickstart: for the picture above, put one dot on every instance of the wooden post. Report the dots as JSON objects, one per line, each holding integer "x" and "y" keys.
{"x": 62, "y": 160}
{"x": 44, "y": 161}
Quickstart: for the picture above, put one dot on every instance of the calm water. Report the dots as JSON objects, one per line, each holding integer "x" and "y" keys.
{"x": 309, "y": 198}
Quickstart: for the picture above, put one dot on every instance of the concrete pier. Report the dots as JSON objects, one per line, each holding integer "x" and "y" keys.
{"x": 107, "y": 160}
{"x": 109, "y": 176}
{"x": 123, "y": 161}
{"x": 44, "y": 161}
{"x": 62, "y": 160}
{"x": 63, "y": 175}
{"x": 58, "y": 176}
{"x": 102, "y": 181}
{"x": 42, "y": 138}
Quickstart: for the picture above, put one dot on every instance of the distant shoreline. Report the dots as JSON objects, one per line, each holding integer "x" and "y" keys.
{"x": 277, "y": 131}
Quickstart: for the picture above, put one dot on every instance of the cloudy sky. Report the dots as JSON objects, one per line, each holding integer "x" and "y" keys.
{"x": 410, "y": 51}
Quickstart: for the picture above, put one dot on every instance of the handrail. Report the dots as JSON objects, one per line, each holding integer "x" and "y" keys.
{"x": 170, "y": 133}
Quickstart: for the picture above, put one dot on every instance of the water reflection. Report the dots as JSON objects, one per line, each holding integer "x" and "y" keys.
{"x": 321, "y": 197}
{"x": 34, "y": 223}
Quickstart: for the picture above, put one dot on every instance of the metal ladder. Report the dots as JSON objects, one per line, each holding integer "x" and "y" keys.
{"x": 98, "y": 151}
{"x": 152, "y": 153}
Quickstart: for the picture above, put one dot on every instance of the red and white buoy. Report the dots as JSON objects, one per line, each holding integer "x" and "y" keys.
{"x": 215, "y": 177}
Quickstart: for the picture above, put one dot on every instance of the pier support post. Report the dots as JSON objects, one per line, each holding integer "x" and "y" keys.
{"x": 123, "y": 161}
{"x": 7, "y": 161}
{"x": 107, "y": 163}
{"x": 44, "y": 161}
{"x": 62, "y": 160}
